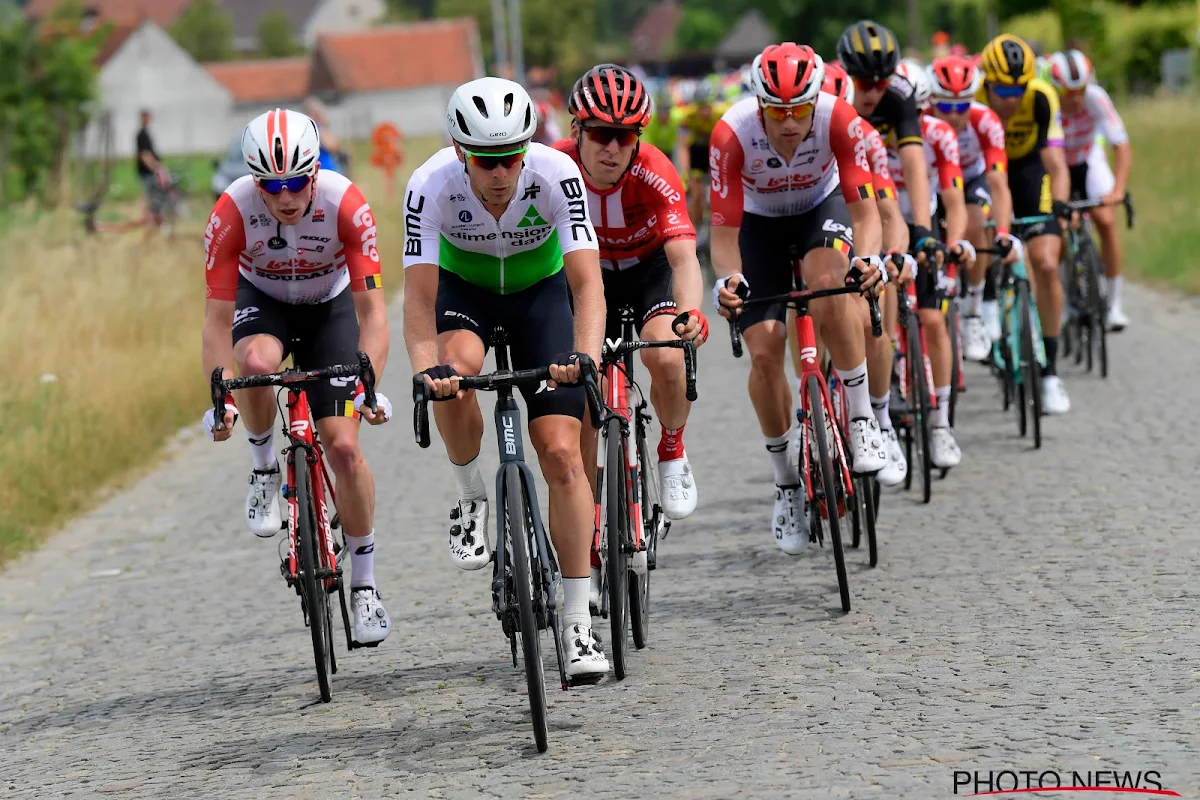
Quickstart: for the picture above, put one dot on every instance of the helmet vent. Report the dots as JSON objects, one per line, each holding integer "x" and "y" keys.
{"x": 479, "y": 104}
{"x": 528, "y": 118}
{"x": 279, "y": 155}
{"x": 462, "y": 122}
{"x": 508, "y": 103}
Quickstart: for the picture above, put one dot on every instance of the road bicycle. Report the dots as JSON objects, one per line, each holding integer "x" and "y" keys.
{"x": 525, "y": 576}
{"x": 628, "y": 507}
{"x": 313, "y": 564}
{"x": 824, "y": 467}
{"x": 913, "y": 377}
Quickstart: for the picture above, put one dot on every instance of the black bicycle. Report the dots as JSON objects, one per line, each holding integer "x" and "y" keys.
{"x": 627, "y": 492}
{"x": 525, "y": 574}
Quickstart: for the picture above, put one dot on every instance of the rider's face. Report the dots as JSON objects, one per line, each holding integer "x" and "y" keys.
{"x": 494, "y": 171}
{"x": 287, "y": 206}
{"x": 604, "y": 151}
{"x": 1072, "y": 102}
{"x": 790, "y": 130}
{"x": 867, "y": 95}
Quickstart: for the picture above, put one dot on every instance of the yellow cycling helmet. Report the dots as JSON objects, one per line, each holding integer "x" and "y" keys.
{"x": 1009, "y": 60}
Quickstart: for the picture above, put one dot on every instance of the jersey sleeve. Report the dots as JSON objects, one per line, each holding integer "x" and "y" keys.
{"x": 1100, "y": 106}
{"x": 990, "y": 131}
{"x": 848, "y": 140}
{"x": 1048, "y": 117}
{"x": 945, "y": 149}
{"x": 881, "y": 173}
{"x": 224, "y": 241}
{"x": 906, "y": 119}
{"x": 672, "y": 212}
{"x": 359, "y": 237}
{"x": 569, "y": 209}
{"x": 422, "y": 222}
{"x": 725, "y": 190}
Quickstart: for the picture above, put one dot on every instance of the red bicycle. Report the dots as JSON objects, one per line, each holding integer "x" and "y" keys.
{"x": 824, "y": 467}
{"x": 914, "y": 376}
{"x": 630, "y": 508}
{"x": 313, "y": 565}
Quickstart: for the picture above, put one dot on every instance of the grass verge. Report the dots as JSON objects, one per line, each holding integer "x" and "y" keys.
{"x": 101, "y": 352}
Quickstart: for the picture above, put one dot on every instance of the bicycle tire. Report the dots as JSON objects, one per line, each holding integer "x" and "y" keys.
{"x": 829, "y": 483}
{"x": 639, "y": 588}
{"x": 1098, "y": 302}
{"x": 1031, "y": 381}
{"x": 316, "y": 599}
{"x": 617, "y": 568}
{"x": 953, "y": 325}
{"x": 919, "y": 403}
{"x": 865, "y": 491}
{"x": 516, "y": 507}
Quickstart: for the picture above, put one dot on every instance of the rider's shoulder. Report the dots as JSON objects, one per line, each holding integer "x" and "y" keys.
{"x": 550, "y": 163}
{"x": 438, "y": 168}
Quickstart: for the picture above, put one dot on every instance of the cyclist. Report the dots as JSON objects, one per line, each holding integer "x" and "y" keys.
{"x": 955, "y": 81}
{"x": 498, "y": 232}
{"x": 1038, "y": 180}
{"x": 283, "y": 244}
{"x": 1087, "y": 109}
{"x": 548, "y": 131}
{"x": 941, "y": 153}
{"x": 696, "y": 122}
{"x": 778, "y": 162}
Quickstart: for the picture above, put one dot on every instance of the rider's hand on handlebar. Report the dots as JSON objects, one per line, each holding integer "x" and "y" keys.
{"x": 963, "y": 252}
{"x": 569, "y": 369}
{"x": 691, "y": 326}
{"x": 1011, "y": 246}
{"x": 442, "y": 382}
{"x": 220, "y": 434}
{"x": 1113, "y": 198}
{"x": 874, "y": 274}
{"x": 383, "y": 408}
{"x": 903, "y": 274}
{"x": 724, "y": 298}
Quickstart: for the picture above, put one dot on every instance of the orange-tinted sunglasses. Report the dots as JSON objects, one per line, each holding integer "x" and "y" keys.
{"x": 780, "y": 113}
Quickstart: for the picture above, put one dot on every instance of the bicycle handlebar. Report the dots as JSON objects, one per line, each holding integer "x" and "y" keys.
{"x": 493, "y": 381}
{"x": 1081, "y": 205}
{"x": 613, "y": 354}
{"x": 803, "y": 296}
{"x": 293, "y": 377}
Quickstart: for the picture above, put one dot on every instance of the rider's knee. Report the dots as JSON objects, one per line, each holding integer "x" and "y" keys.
{"x": 766, "y": 350}
{"x": 663, "y": 363}
{"x": 259, "y": 360}
{"x": 932, "y": 320}
{"x": 344, "y": 453}
{"x": 559, "y": 455}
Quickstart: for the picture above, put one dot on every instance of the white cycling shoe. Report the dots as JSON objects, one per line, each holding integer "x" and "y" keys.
{"x": 989, "y": 313}
{"x": 594, "y": 585}
{"x": 788, "y": 525}
{"x": 1117, "y": 321}
{"x": 977, "y": 346}
{"x": 678, "y": 488}
{"x": 943, "y": 449}
{"x": 262, "y": 502}
{"x": 371, "y": 621}
{"x": 1054, "y": 396}
{"x": 867, "y": 446}
{"x": 469, "y": 548}
{"x": 897, "y": 466}
{"x": 584, "y": 653}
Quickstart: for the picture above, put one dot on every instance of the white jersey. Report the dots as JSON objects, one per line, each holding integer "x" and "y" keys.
{"x": 1098, "y": 115}
{"x": 447, "y": 225}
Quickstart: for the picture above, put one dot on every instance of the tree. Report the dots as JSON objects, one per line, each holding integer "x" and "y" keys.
{"x": 205, "y": 30}
{"x": 700, "y": 30}
{"x": 276, "y": 39}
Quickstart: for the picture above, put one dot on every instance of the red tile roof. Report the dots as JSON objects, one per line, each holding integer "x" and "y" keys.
{"x": 264, "y": 80}
{"x": 114, "y": 42}
{"x": 122, "y": 12}
{"x": 392, "y": 57}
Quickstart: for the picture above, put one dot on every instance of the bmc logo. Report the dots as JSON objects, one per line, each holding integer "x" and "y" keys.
{"x": 510, "y": 437}
{"x": 363, "y": 219}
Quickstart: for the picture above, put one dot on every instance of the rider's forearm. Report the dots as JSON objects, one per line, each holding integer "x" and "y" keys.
{"x": 685, "y": 273}
{"x": 1001, "y": 199}
{"x": 956, "y": 215}
{"x": 916, "y": 178}
{"x": 726, "y": 257}
{"x": 895, "y": 229}
{"x": 374, "y": 337}
{"x": 1123, "y": 156}
{"x": 216, "y": 337}
{"x": 588, "y": 296}
{"x": 868, "y": 232}
{"x": 1055, "y": 162}
{"x": 420, "y": 333}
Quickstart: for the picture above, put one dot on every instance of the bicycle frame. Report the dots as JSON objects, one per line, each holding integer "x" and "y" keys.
{"x": 906, "y": 306}
{"x": 304, "y": 440}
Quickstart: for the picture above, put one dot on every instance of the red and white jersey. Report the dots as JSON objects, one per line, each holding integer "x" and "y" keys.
{"x": 981, "y": 143}
{"x": 941, "y": 154}
{"x": 644, "y": 211}
{"x": 1098, "y": 114}
{"x": 748, "y": 176}
{"x": 881, "y": 173}
{"x": 332, "y": 247}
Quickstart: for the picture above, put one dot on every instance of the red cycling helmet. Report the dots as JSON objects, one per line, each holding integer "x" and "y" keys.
{"x": 837, "y": 82}
{"x": 955, "y": 77}
{"x": 610, "y": 94}
{"x": 786, "y": 74}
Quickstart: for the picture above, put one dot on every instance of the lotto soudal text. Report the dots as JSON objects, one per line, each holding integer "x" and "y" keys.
{"x": 979, "y": 783}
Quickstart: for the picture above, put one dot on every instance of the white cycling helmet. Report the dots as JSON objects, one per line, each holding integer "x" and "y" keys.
{"x": 281, "y": 144}
{"x": 912, "y": 71}
{"x": 1070, "y": 70}
{"x": 487, "y": 112}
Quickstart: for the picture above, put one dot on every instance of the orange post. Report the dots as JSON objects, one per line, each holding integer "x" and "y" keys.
{"x": 387, "y": 153}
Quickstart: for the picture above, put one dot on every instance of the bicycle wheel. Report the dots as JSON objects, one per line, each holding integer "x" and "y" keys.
{"x": 918, "y": 401}
{"x": 1097, "y": 303}
{"x": 1031, "y": 371}
{"x": 313, "y": 594}
{"x": 954, "y": 326}
{"x": 652, "y": 515}
{"x": 616, "y": 534}
{"x": 829, "y": 483}
{"x": 865, "y": 503}
{"x": 516, "y": 534}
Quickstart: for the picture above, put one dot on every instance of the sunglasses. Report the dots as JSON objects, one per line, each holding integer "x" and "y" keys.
{"x": 780, "y": 113}
{"x": 864, "y": 85}
{"x": 296, "y": 184}
{"x": 1007, "y": 91}
{"x": 953, "y": 108}
{"x": 489, "y": 161}
{"x": 624, "y": 137}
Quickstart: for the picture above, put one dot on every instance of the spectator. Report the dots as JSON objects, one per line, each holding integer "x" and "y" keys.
{"x": 152, "y": 173}
{"x": 332, "y": 155}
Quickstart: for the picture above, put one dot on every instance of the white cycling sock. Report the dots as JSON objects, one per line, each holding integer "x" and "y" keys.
{"x": 262, "y": 449}
{"x": 883, "y": 416}
{"x": 786, "y": 473}
{"x": 469, "y": 480}
{"x": 940, "y": 418}
{"x": 858, "y": 394}
{"x": 1114, "y": 291}
{"x": 362, "y": 560}
{"x": 575, "y": 602}
{"x": 974, "y": 299}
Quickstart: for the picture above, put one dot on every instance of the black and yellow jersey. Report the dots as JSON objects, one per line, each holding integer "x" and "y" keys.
{"x": 1035, "y": 124}
{"x": 699, "y": 127}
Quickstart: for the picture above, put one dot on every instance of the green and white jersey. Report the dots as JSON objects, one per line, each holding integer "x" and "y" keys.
{"x": 447, "y": 225}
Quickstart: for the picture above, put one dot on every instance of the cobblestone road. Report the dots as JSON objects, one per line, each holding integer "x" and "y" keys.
{"x": 1040, "y": 614}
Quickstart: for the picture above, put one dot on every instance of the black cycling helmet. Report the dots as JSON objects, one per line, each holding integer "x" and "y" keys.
{"x": 868, "y": 50}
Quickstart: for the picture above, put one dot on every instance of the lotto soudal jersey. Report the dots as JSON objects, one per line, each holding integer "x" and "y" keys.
{"x": 332, "y": 247}
{"x": 1097, "y": 115}
{"x": 445, "y": 224}
{"x": 981, "y": 143}
{"x": 941, "y": 156}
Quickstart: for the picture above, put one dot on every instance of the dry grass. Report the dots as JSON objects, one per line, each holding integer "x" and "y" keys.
{"x": 100, "y": 349}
